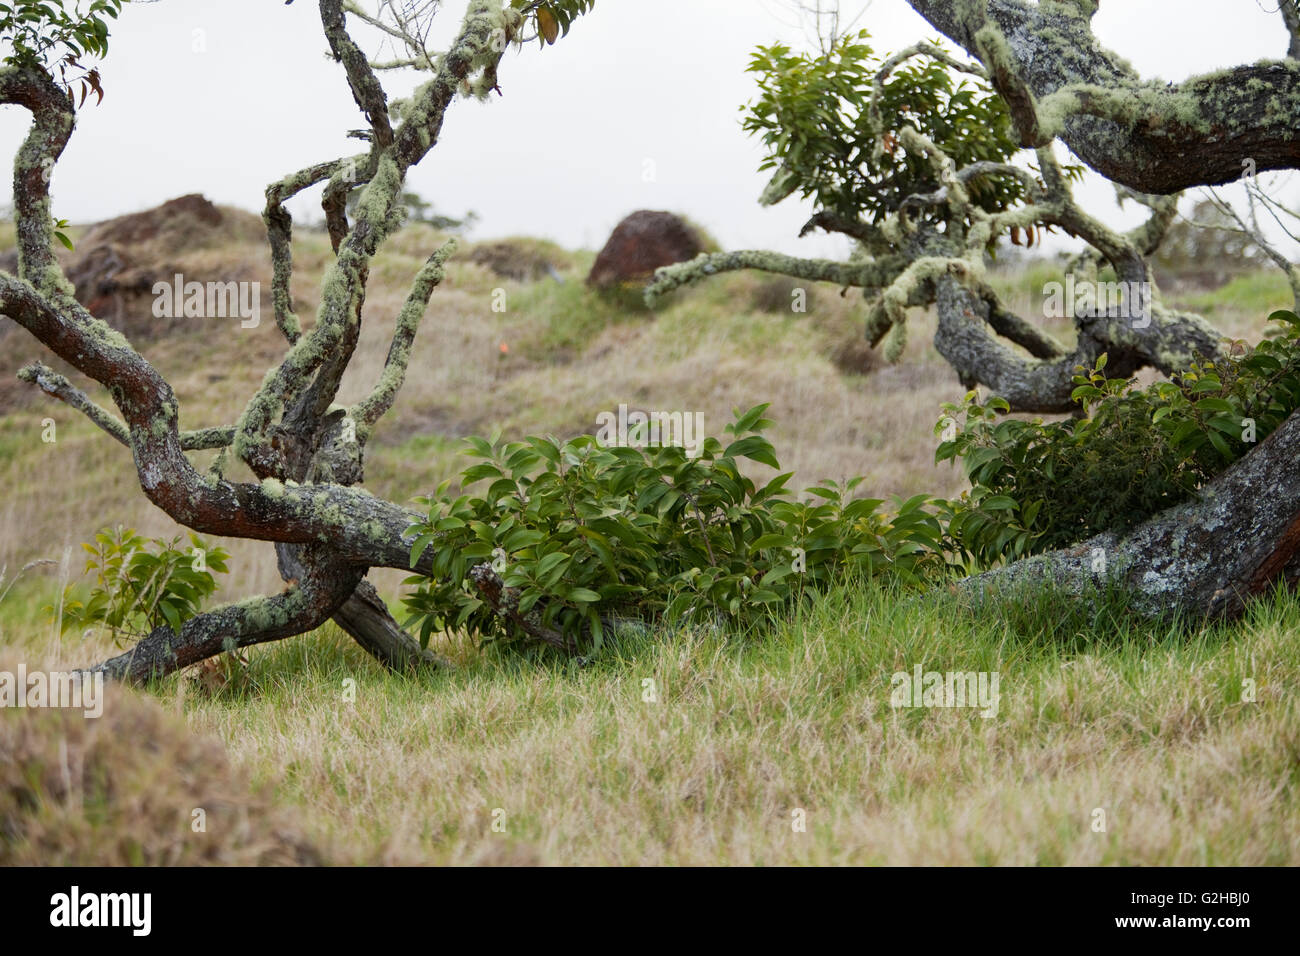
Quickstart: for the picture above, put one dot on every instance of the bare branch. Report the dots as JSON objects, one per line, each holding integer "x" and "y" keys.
{"x": 1289, "y": 268}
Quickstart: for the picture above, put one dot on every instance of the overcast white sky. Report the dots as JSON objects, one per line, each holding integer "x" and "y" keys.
{"x": 224, "y": 96}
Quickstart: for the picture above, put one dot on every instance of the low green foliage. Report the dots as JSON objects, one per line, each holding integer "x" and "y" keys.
{"x": 589, "y": 535}
{"x": 142, "y": 583}
{"x": 1132, "y": 452}
{"x": 59, "y": 234}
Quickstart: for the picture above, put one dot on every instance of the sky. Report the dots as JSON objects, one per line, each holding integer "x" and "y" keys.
{"x": 638, "y": 107}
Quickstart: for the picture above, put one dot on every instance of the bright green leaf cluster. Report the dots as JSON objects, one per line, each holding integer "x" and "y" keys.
{"x": 812, "y": 117}
{"x": 142, "y": 584}
{"x": 588, "y": 535}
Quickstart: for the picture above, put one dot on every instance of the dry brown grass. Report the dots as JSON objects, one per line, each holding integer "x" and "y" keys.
{"x": 122, "y": 789}
{"x": 1151, "y": 731}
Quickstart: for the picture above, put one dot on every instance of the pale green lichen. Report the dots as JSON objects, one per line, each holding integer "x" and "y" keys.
{"x": 381, "y": 398}
{"x": 896, "y": 342}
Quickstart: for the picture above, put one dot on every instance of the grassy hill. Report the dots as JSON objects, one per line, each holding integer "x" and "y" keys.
{"x": 1147, "y": 724}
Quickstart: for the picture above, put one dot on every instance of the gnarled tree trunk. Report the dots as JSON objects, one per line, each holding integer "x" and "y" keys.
{"x": 1203, "y": 558}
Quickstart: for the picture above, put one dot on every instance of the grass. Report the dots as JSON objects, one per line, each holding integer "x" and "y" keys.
{"x": 1143, "y": 721}
{"x": 1258, "y": 292}
{"x": 1097, "y": 712}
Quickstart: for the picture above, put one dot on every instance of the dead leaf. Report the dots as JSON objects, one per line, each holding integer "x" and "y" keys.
{"x": 547, "y": 25}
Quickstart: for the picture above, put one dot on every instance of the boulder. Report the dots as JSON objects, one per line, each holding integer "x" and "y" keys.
{"x": 642, "y": 243}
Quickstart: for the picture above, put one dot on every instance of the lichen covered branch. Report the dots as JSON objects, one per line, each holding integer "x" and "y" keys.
{"x": 377, "y": 215}
{"x": 279, "y": 231}
{"x": 871, "y": 274}
{"x": 308, "y": 602}
{"x": 373, "y": 407}
{"x": 1151, "y": 136}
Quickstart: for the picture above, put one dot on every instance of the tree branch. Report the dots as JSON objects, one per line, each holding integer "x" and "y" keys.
{"x": 366, "y": 88}
{"x": 373, "y": 407}
{"x": 55, "y": 385}
{"x": 872, "y": 274}
{"x": 307, "y": 603}
{"x": 1290, "y": 11}
{"x": 279, "y": 231}
{"x": 1208, "y": 556}
{"x": 344, "y": 281}
{"x": 1150, "y": 136}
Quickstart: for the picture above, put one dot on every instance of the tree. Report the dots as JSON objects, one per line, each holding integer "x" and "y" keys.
{"x": 1206, "y": 247}
{"x": 918, "y": 167}
{"x": 306, "y": 451}
{"x": 913, "y": 157}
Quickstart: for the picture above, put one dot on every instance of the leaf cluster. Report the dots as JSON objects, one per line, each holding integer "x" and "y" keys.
{"x": 57, "y": 35}
{"x": 589, "y": 536}
{"x": 812, "y": 118}
{"x": 141, "y": 584}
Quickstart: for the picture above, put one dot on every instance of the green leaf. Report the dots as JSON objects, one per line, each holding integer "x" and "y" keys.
{"x": 755, "y": 448}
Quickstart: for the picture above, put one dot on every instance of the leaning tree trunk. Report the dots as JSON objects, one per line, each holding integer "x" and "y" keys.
{"x": 1206, "y": 557}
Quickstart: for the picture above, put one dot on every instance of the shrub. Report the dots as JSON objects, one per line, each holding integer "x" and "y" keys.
{"x": 588, "y": 536}
{"x": 775, "y": 295}
{"x": 141, "y": 584}
{"x": 1132, "y": 452}
{"x": 583, "y": 537}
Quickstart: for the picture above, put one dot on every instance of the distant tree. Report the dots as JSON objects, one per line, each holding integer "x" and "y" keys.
{"x": 1206, "y": 247}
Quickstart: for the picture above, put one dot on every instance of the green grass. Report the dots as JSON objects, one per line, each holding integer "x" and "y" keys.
{"x": 1097, "y": 711}
{"x": 574, "y": 316}
{"x": 1258, "y": 292}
